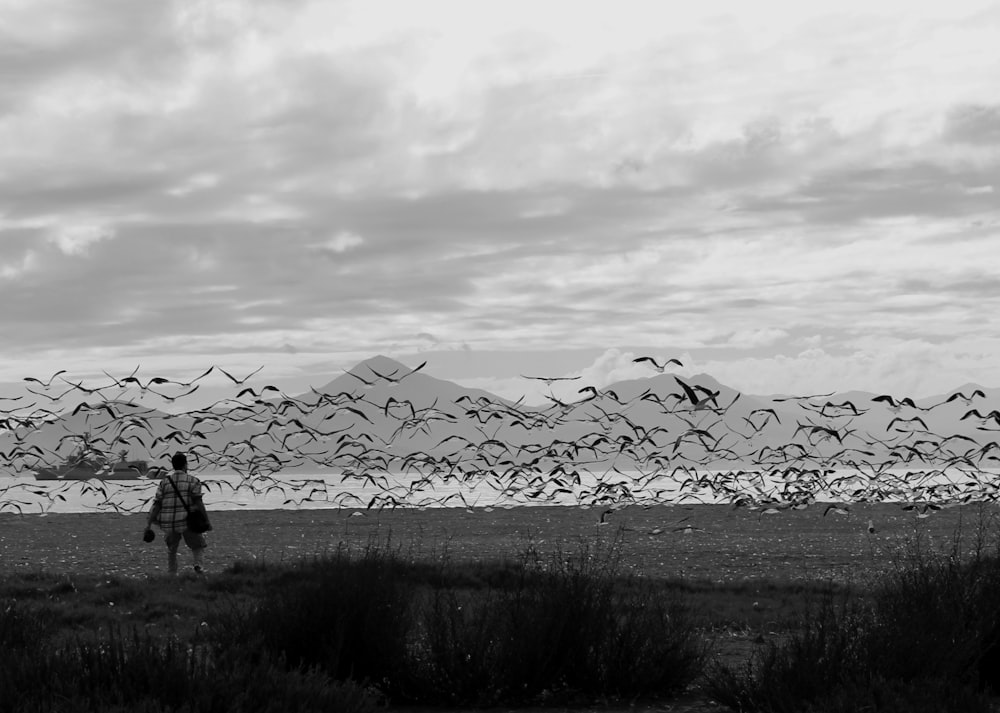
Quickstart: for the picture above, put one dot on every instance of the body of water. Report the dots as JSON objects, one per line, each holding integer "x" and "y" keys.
{"x": 776, "y": 488}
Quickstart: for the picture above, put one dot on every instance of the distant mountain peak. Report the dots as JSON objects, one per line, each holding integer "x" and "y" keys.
{"x": 381, "y": 364}
{"x": 375, "y": 371}
{"x": 706, "y": 380}
{"x": 966, "y": 388}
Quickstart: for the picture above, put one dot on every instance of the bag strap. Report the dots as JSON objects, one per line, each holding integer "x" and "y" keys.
{"x": 179, "y": 496}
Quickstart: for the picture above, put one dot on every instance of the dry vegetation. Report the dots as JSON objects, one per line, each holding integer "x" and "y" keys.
{"x": 732, "y": 611}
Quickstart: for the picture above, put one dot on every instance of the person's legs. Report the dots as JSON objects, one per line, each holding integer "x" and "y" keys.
{"x": 173, "y": 540}
{"x": 197, "y": 544}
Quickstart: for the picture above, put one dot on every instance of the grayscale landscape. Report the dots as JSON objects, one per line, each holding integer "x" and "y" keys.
{"x": 553, "y": 355}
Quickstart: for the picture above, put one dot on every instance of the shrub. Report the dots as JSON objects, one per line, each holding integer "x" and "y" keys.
{"x": 348, "y": 617}
{"x": 809, "y": 665}
{"x": 572, "y": 630}
{"x": 567, "y": 629}
{"x": 342, "y": 630}
{"x": 119, "y": 672}
{"x": 917, "y": 642}
{"x": 21, "y": 628}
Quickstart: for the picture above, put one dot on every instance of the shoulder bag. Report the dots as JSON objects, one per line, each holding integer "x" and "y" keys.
{"x": 197, "y": 519}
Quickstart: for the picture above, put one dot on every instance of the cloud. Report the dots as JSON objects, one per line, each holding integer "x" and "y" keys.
{"x": 12, "y": 269}
{"x": 825, "y": 171}
{"x": 907, "y": 367}
{"x": 753, "y": 338}
{"x": 977, "y": 124}
{"x": 613, "y": 365}
{"x": 77, "y": 239}
{"x": 339, "y": 243}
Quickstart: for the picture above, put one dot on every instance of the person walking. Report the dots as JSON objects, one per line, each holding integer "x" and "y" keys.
{"x": 178, "y": 493}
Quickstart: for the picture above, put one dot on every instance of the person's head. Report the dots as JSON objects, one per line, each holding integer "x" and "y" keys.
{"x": 179, "y": 461}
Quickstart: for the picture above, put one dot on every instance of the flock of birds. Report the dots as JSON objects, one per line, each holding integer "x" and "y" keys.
{"x": 395, "y": 441}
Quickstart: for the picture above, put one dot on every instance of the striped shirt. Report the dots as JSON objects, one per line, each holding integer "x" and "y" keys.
{"x": 172, "y": 512}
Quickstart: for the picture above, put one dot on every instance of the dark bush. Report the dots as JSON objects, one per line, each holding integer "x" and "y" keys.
{"x": 131, "y": 673}
{"x": 22, "y": 627}
{"x": 920, "y": 641}
{"x": 342, "y": 631}
{"x": 514, "y": 631}
{"x": 572, "y": 631}
{"x": 348, "y": 616}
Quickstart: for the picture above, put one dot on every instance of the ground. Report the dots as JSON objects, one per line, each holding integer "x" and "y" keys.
{"x": 713, "y": 542}
{"x": 749, "y": 570}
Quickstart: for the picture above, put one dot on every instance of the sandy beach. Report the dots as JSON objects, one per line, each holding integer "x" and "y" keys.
{"x": 714, "y": 542}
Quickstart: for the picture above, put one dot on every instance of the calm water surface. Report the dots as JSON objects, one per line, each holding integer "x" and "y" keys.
{"x": 24, "y": 494}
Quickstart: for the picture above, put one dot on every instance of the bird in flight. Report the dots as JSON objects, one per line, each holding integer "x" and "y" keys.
{"x": 801, "y": 398}
{"x": 896, "y": 405}
{"x": 836, "y": 509}
{"x": 48, "y": 383}
{"x": 396, "y": 379}
{"x": 959, "y": 396}
{"x": 688, "y": 529}
{"x": 239, "y": 382}
{"x": 604, "y": 515}
{"x": 696, "y": 401}
{"x": 594, "y": 393}
{"x": 907, "y": 422}
{"x": 551, "y": 379}
{"x": 994, "y": 415}
{"x": 656, "y": 365}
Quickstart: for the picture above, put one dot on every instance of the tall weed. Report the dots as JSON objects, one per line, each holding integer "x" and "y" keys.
{"x": 349, "y": 616}
{"x": 128, "y": 672}
{"x": 565, "y": 629}
{"x": 920, "y": 641}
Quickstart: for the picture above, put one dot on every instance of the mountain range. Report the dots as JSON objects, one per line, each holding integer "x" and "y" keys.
{"x": 383, "y": 416}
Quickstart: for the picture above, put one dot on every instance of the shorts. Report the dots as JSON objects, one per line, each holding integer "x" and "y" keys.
{"x": 193, "y": 540}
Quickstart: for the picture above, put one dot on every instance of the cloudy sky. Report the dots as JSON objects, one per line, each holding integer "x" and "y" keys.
{"x": 789, "y": 196}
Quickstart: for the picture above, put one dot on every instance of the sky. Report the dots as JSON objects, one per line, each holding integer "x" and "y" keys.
{"x": 792, "y": 197}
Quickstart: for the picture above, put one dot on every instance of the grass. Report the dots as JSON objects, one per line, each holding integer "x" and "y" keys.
{"x": 526, "y": 631}
{"x": 122, "y": 672}
{"x": 65, "y": 648}
{"x": 925, "y": 636}
{"x": 566, "y": 629}
{"x": 354, "y": 629}
{"x": 348, "y": 630}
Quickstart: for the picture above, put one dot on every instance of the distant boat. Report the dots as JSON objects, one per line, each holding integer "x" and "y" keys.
{"x": 83, "y": 466}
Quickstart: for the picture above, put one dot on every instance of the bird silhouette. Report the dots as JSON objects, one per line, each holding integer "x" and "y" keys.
{"x": 656, "y": 365}
{"x": 611, "y": 448}
{"x": 47, "y": 383}
{"x": 698, "y": 402}
{"x": 392, "y": 378}
{"x": 239, "y": 382}
{"x": 551, "y": 379}
{"x": 959, "y": 396}
{"x": 907, "y": 422}
{"x": 894, "y": 404}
